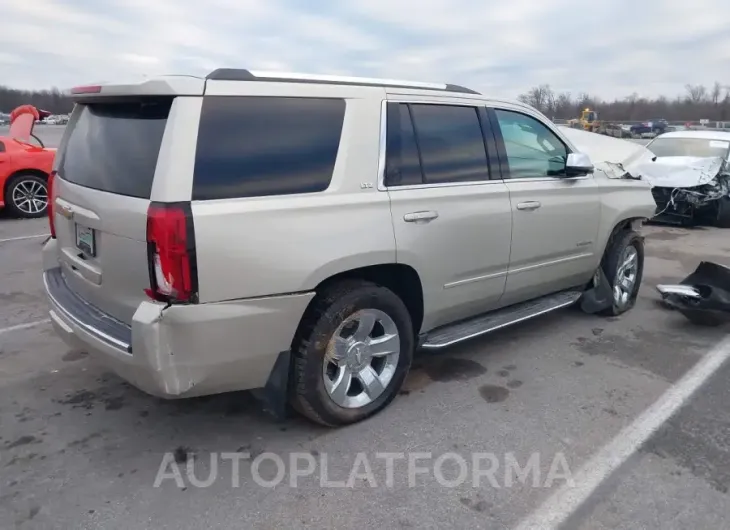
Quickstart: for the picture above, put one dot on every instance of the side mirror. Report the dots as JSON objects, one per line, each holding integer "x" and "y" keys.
{"x": 578, "y": 165}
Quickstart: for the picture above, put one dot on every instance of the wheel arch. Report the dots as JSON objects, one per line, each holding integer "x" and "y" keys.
{"x": 28, "y": 171}
{"x": 624, "y": 225}
{"x": 402, "y": 279}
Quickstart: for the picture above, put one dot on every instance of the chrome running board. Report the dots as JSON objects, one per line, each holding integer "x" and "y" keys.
{"x": 485, "y": 323}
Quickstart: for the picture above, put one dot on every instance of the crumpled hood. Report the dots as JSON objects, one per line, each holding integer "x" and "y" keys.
{"x": 619, "y": 158}
{"x": 614, "y": 156}
{"x": 679, "y": 171}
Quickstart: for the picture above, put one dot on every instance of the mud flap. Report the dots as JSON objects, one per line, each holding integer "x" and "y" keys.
{"x": 599, "y": 297}
{"x": 274, "y": 395}
{"x": 703, "y": 296}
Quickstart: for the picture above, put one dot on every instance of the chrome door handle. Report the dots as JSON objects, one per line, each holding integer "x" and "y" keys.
{"x": 529, "y": 205}
{"x": 414, "y": 217}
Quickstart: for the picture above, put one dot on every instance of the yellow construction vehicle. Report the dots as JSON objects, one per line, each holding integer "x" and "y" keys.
{"x": 588, "y": 121}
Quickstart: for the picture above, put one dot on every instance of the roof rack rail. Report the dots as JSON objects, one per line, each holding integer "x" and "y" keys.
{"x": 240, "y": 74}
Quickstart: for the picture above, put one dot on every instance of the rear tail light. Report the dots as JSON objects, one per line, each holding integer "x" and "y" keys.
{"x": 49, "y": 191}
{"x": 171, "y": 253}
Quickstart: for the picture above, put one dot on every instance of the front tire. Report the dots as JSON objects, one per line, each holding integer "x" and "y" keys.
{"x": 352, "y": 353}
{"x": 27, "y": 196}
{"x": 623, "y": 264}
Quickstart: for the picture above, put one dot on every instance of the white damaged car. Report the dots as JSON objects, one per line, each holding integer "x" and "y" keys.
{"x": 689, "y": 171}
{"x": 690, "y": 176}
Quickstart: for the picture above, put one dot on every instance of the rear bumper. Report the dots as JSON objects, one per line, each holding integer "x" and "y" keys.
{"x": 181, "y": 351}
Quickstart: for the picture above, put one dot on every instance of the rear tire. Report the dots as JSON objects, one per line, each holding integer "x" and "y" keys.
{"x": 623, "y": 264}
{"x": 722, "y": 218}
{"x": 331, "y": 368}
{"x": 26, "y": 196}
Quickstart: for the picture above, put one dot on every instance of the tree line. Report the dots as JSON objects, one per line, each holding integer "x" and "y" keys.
{"x": 51, "y": 100}
{"x": 697, "y": 103}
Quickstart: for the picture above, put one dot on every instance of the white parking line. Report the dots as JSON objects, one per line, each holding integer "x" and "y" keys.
{"x": 24, "y": 326}
{"x": 556, "y": 511}
{"x": 23, "y": 237}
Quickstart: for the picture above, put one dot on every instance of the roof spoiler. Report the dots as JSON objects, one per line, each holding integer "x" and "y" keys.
{"x": 171, "y": 85}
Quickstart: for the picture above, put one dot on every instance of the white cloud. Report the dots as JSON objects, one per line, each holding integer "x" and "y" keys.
{"x": 9, "y": 58}
{"x": 608, "y": 47}
{"x": 139, "y": 59}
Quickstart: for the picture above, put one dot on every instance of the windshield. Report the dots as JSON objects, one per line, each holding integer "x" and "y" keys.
{"x": 700, "y": 147}
{"x": 590, "y": 116}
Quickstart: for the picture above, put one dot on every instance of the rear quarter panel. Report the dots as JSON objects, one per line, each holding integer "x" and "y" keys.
{"x": 262, "y": 246}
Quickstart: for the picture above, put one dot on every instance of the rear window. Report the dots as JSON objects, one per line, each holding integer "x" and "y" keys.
{"x": 258, "y": 146}
{"x": 113, "y": 147}
{"x": 701, "y": 147}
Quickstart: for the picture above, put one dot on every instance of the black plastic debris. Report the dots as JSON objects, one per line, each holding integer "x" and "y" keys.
{"x": 703, "y": 296}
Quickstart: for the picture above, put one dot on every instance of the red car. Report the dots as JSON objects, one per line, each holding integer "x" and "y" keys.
{"x": 24, "y": 165}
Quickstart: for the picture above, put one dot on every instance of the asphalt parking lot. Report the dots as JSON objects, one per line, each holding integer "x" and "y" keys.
{"x": 79, "y": 448}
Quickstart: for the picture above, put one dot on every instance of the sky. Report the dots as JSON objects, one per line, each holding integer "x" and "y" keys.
{"x": 608, "y": 48}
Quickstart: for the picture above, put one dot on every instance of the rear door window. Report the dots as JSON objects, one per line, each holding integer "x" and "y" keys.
{"x": 451, "y": 143}
{"x": 114, "y": 147}
{"x": 403, "y": 163}
{"x": 258, "y": 146}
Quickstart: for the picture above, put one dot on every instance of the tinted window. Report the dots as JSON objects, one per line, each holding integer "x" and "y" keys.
{"x": 533, "y": 150}
{"x": 403, "y": 165}
{"x": 451, "y": 143}
{"x": 2, "y": 147}
{"x": 255, "y": 146}
{"x": 114, "y": 147}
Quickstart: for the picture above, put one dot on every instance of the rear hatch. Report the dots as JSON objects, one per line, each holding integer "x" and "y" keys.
{"x": 105, "y": 171}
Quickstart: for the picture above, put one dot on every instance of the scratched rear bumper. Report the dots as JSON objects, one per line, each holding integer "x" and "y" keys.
{"x": 186, "y": 350}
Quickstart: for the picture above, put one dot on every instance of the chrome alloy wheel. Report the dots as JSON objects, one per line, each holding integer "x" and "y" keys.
{"x": 626, "y": 275}
{"x": 361, "y": 358}
{"x": 30, "y": 197}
